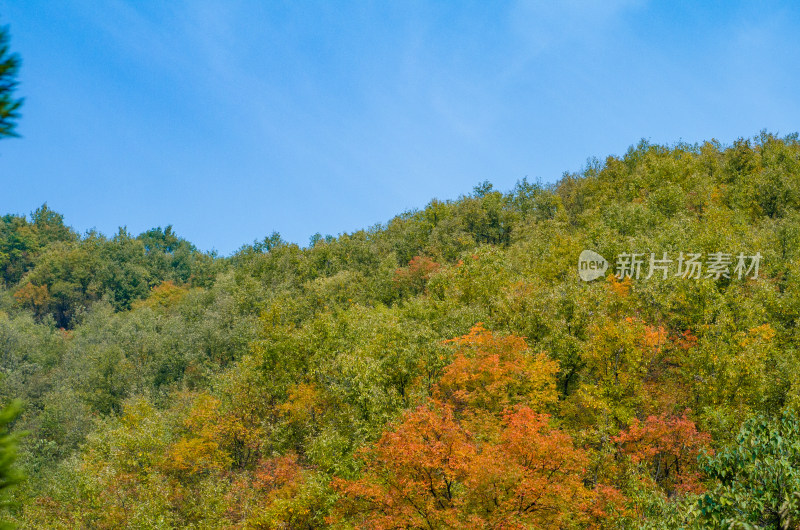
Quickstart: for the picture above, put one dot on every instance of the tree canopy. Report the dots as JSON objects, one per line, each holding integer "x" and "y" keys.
{"x": 448, "y": 368}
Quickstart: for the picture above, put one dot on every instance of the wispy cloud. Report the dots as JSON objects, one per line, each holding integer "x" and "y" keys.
{"x": 543, "y": 24}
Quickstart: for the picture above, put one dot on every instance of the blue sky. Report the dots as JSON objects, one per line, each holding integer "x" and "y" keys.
{"x": 231, "y": 119}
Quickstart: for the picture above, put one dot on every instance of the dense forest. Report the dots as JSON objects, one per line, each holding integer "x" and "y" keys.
{"x": 448, "y": 369}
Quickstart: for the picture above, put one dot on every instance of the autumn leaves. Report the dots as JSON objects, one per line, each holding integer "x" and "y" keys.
{"x": 480, "y": 453}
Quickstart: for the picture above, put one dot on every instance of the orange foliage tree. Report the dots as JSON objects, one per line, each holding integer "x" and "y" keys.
{"x": 413, "y": 278}
{"x": 492, "y": 373}
{"x": 440, "y": 467}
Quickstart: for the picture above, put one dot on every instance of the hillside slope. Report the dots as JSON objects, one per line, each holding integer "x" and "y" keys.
{"x": 449, "y": 368}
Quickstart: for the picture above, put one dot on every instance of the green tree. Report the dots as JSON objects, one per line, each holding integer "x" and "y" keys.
{"x": 758, "y": 477}
{"x": 9, "y": 106}
{"x": 9, "y": 475}
{"x": 9, "y": 113}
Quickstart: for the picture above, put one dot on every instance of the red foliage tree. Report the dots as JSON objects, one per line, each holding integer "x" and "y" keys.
{"x": 668, "y": 446}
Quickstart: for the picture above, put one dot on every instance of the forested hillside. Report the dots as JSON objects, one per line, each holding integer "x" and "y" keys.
{"x": 448, "y": 369}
